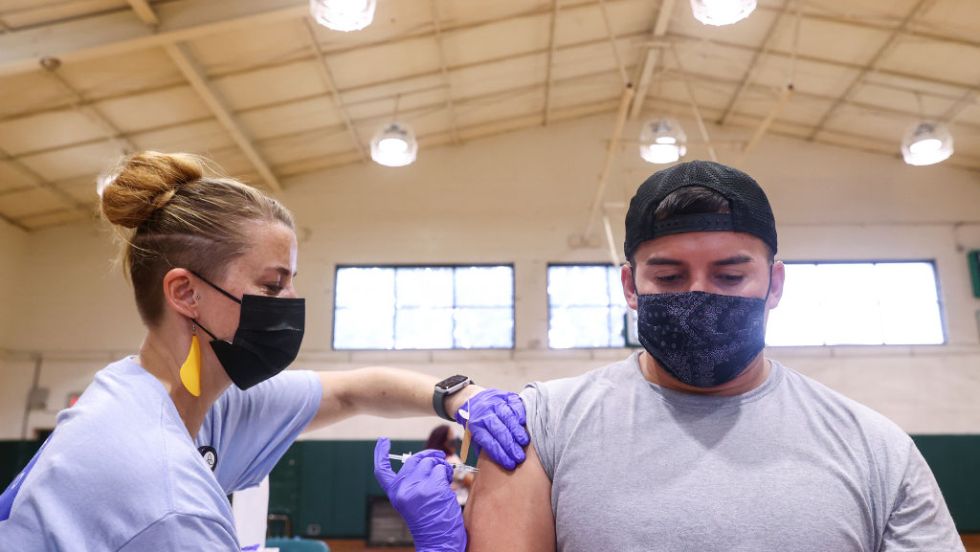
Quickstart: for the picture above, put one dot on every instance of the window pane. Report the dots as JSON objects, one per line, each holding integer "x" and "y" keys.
{"x": 485, "y": 286}
{"x": 424, "y": 287}
{"x": 484, "y": 328}
{"x": 579, "y": 327}
{"x": 424, "y": 329}
{"x": 365, "y": 287}
{"x": 857, "y": 304}
{"x": 617, "y": 320}
{"x": 901, "y": 282}
{"x": 912, "y": 323}
{"x": 796, "y": 321}
{"x": 363, "y": 329}
{"x": 578, "y": 286}
{"x": 615, "y": 284}
{"x": 434, "y": 307}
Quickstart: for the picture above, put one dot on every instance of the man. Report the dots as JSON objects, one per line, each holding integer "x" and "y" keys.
{"x": 699, "y": 442}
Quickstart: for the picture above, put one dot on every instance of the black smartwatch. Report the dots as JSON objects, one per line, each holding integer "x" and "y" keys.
{"x": 445, "y": 388}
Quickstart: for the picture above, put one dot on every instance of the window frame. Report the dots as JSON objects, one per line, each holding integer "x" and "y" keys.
{"x": 943, "y": 322}
{"x": 396, "y": 266}
{"x": 626, "y": 343}
{"x": 935, "y": 268}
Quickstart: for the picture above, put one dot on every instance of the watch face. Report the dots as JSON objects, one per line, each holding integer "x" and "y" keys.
{"x": 451, "y": 382}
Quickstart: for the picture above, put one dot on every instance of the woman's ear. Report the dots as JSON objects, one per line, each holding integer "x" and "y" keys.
{"x": 776, "y": 284}
{"x": 180, "y": 292}
{"x": 629, "y": 285}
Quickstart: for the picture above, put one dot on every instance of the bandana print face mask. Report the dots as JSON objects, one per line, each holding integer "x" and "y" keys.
{"x": 702, "y": 339}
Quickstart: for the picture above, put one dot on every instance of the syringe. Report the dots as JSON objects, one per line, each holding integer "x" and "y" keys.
{"x": 456, "y": 465}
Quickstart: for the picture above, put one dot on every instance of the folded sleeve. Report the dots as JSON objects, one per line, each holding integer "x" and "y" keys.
{"x": 251, "y": 430}
{"x": 540, "y": 426}
{"x": 920, "y": 519}
{"x": 180, "y": 532}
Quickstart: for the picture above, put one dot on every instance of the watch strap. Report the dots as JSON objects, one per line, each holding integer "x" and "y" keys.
{"x": 439, "y": 404}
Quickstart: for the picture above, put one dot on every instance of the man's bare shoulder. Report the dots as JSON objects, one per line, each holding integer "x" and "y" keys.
{"x": 510, "y": 510}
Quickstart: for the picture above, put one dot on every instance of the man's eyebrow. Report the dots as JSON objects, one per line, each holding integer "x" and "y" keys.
{"x": 734, "y": 260}
{"x": 655, "y": 261}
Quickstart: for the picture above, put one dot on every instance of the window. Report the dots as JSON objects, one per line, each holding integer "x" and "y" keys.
{"x": 850, "y": 303}
{"x": 586, "y": 308}
{"x": 424, "y": 307}
{"x": 874, "y": 303}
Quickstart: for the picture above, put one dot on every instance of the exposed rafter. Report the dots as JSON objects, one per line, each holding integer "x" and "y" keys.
{"x": 443, "y": 67}
{"x": 118, "y": 32}
{"x": 145, "y": 12}
{"x": 919, "y": 7}
{"x": 195, "y": 75}
{"x": 754, "y": 64}
{"x": 39, "y": 181}
{"x": 549, "y": 63}
{"x": 112, "y": 133}
{"x": 323, "y": 67}
{"x": 650, "y": 57}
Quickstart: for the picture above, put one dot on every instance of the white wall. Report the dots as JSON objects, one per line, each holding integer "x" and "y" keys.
{"x": 12, "y": 248}
{"x": 519, "y": 198}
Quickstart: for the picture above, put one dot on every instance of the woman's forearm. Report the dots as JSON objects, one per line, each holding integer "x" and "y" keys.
{"x": 381, "y": 391}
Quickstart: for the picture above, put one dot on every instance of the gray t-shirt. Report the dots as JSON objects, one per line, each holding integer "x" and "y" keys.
{"x": 788, "y": 466}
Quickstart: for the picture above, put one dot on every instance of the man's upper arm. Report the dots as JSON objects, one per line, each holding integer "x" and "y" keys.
{"x": 920, "y": 519}
{"x": 510, "y": 510}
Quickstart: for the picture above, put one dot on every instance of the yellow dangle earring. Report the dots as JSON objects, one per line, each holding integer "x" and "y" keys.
{"x": 190, "y": 370}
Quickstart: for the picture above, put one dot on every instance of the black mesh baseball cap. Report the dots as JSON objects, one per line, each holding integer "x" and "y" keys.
{"x": 750, "y": 210}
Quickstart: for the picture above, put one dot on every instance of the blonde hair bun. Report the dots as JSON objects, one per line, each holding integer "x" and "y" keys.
{"x": 146, "y": 181}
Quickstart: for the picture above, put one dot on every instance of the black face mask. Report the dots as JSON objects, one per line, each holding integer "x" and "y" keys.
{"x": 270, "y": 331}
{"x": 702, "y": 339}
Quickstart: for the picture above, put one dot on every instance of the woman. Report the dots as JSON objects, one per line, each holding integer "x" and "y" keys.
{"x": 148, "y": 454}
{"x": 442, "y": 438}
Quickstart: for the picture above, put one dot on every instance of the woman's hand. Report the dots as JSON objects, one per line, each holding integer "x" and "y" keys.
{"x": 496, "y": 420}
{"x": 420, "y": 493}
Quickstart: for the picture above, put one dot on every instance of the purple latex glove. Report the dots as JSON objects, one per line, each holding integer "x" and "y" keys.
{"x": 496, "y": 420}
{"x": 421, "y": 494}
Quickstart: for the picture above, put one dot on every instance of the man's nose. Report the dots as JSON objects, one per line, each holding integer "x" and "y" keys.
{"x": 699, "y": 282}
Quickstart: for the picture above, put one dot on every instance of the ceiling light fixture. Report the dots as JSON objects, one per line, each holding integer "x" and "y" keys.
{"x": 343, "y": 15}
{"x": 927, "y": 143}
{"x": 662, "y": 141}
{"x": 394, "y": 146}
{"x": 722, "y": 12}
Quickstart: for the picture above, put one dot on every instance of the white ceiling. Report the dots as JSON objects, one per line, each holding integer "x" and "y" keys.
{"x": 268, "y": 94}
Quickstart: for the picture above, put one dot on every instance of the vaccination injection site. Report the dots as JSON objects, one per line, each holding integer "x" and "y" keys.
{"x": 490, "y": 275}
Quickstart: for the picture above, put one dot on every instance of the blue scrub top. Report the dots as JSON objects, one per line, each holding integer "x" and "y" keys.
{"x": 121, "y": 472}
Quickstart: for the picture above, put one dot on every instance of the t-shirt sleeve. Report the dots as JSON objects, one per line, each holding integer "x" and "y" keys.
{"x": 920, "y": 519}
{"x": 539, "y": 425}
{"x": 251, "y": 430}
{"x": 181, "y": 532}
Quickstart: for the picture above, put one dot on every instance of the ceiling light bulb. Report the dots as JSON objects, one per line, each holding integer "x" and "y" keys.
{"x": 721, "y": 12}
{"x": 394, "y": 146}
{"x": 927, "y": 143}
{"x": 343, "y": 15}
{"x": 922, "y": 147}
{"x": 662, "y": 141}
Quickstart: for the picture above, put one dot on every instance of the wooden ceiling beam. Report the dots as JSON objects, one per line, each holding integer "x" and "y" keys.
{"x": 195, "y": 75}
{"x": 871, "y": 66}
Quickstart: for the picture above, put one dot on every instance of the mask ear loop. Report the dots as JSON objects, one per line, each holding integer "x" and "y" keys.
{"x": 769, "y": 287}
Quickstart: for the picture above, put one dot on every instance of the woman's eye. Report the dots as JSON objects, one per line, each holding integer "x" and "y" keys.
{"x": 273, "y": 289}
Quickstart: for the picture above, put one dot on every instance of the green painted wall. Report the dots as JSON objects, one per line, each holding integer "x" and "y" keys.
{"x": 326, "y": 484}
